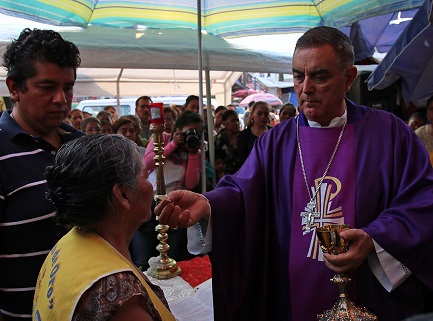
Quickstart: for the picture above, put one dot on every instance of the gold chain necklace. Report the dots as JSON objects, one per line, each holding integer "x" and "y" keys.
{"x": 310, "y": 214}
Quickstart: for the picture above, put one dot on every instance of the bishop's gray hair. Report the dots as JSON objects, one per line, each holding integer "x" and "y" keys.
{"x": 321, "y": 36}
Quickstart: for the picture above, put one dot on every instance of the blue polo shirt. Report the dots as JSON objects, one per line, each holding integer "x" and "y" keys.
{"x": 27, "y": 228}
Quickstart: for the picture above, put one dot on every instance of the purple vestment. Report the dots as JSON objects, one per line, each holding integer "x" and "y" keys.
{"x": 256, "y": 217}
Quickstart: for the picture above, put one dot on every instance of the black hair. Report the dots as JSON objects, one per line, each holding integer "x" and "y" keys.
{"x": 191, "y": 98}
{"x": 219, "y": 108}
{"x": 419, "y": 115}
{"x": 38, "y": 46}
{"x": 142, "y": 97}
{"x": 186, "y": 118}
{"x": 228, "y": 114}
{"x": 84, "y": 173}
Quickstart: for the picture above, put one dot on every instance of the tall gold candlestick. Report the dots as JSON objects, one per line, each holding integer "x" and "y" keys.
{"x": 165, "y": 267}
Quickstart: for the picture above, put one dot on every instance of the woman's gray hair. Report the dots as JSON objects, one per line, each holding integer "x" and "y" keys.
{"x": 84, "y": 173}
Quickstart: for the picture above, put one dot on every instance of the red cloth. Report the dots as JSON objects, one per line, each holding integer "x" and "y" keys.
{"x": 196, "y": 270}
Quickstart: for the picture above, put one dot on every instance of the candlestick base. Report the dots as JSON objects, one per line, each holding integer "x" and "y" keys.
{"x": 165, "y": 267}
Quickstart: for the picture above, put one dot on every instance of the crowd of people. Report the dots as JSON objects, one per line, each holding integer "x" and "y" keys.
{"x": 75, "y": 198}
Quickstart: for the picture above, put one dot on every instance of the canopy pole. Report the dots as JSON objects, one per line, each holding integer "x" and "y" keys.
{"x": 211, "y": 139}
{"x": 118, "y": 91}
{"x": 200, "y": 91}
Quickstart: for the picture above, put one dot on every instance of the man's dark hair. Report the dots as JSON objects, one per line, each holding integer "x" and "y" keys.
{"x": 38, "y": 46}
{"x": 321, "y": 36}
{"x": 142, "y": 97}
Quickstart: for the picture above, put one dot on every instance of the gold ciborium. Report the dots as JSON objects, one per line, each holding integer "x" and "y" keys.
{"x": 343, "y": 309}
{"x": 165, "y": 267}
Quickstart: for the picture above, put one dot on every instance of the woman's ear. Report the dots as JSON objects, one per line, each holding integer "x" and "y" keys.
{"x": 121, "y": 195}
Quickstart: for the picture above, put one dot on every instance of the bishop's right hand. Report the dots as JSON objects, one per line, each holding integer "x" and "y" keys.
{"x": 184, "y": 209}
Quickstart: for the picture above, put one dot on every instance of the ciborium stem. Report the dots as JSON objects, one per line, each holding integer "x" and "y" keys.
{"x": 343, "y": 309}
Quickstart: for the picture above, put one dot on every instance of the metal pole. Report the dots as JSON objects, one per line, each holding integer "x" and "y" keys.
{"x": 200, "y": 91}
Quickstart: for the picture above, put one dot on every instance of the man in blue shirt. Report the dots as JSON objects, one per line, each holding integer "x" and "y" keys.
{"x": 41, "y": 72}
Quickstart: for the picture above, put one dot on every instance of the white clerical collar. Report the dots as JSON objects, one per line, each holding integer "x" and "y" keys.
{"x": 336, "y": 122}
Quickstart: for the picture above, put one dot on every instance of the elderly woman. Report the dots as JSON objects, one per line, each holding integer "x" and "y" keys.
{"x": 99, "y": 189}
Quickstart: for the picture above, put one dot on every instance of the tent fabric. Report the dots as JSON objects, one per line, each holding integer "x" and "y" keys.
{"x": 159, "y": 62}
{"x": 377, "y": 33}
{"x": 410, "y": 59}
{"x": 224, "y": 18}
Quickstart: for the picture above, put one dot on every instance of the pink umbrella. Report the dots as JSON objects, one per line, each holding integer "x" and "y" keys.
{"x": 243, "y": 93}
{"x": 269, "y": 98}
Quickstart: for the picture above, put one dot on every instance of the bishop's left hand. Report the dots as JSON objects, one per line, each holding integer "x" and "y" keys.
{"x": 361, "y": 244}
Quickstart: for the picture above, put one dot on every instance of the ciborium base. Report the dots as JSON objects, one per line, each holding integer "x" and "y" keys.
{"x": 344, "y": 309}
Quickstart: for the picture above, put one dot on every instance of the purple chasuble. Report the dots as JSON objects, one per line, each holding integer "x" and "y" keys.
{"x": 256, "y": 219}
{"x": 335, "y": 204}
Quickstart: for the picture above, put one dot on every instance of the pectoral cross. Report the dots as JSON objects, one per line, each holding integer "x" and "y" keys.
{"x": 309, "y": 215}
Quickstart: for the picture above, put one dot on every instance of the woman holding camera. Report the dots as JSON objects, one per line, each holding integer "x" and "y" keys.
{"x": 182, "y": 168}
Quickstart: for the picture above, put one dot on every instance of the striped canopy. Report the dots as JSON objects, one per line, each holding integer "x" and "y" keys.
{"x": 224, "y": 18}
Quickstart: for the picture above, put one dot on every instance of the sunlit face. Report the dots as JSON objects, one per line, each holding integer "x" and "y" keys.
{"x": 319, "y": 83}
{"x": 193, "y": 106}
{"x": 47, "y": 101}
{"x": 76, "y": 117}
{"x": 260, "y": 116}
{"x": 92, "y": 128}
{"x": 128, "y": 131}
{"x": 143, "y": 110}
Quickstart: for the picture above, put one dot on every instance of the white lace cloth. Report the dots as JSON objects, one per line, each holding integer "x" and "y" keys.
{"x": 173, "y": 288}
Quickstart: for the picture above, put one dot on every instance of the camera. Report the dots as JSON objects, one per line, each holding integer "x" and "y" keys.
{"x": 192, "y": 138}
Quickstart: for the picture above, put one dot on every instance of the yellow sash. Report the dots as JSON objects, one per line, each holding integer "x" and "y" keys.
{"x": 75, "y": 263}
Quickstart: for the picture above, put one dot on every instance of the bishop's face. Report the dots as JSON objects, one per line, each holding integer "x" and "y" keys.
{"x": 320, "y": 84}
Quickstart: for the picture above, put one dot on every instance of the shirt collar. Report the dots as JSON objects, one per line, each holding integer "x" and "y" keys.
{"x": 336, "y": 122}
{"x": 9, "y": 126}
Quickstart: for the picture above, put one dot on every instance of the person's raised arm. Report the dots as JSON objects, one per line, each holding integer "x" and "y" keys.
{"x": 169, "y": 147}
